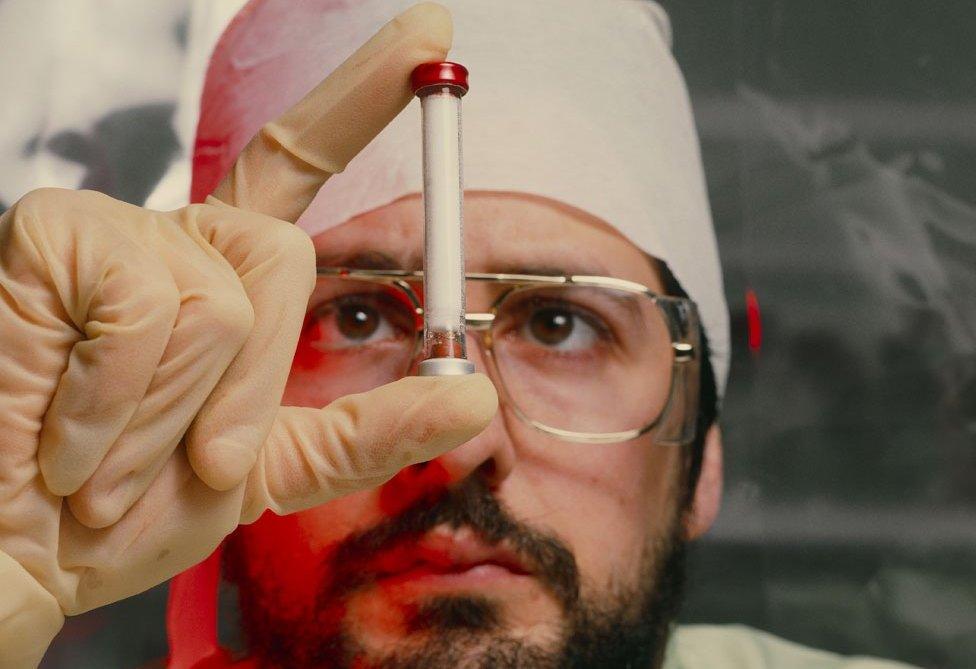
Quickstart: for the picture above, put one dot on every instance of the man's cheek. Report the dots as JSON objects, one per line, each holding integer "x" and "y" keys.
{"x": 537, "y": 611}
{"x": 605, "y": 523}
{"x": 323, "y": 527}
{"x": 309, "y": 387}
{"x": 279, "y": 554}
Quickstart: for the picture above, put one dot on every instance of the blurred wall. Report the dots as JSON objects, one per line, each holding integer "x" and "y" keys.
{"x": 840, "y": 145}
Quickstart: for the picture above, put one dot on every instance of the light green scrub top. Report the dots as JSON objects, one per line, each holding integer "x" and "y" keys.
{"x": 740, "y": 647}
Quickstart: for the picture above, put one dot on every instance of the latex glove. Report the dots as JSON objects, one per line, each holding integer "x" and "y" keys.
{"x": 144, "y": 355}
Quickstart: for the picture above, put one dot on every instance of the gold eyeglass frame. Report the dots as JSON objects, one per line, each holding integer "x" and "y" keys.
{"x": 684, "y": 335}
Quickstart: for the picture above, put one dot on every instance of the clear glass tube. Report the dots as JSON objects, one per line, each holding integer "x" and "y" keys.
{"x": 444, "y": 309}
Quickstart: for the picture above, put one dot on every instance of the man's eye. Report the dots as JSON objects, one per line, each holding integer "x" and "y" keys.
{"x": 559, "y": 329}
{"x": 358, "y": 322}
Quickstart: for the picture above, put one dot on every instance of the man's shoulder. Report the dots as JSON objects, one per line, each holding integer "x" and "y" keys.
{"x": 741, "y": 647}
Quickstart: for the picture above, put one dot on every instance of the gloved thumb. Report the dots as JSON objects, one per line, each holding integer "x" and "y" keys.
{"x": 360, "y": 441}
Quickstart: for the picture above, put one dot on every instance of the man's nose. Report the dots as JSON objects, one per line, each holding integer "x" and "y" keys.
{"x": 490, "y": 455}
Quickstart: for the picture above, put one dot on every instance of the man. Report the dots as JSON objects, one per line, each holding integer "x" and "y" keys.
{"x": 554, "y": 538}
{"x": 520, "y": 548}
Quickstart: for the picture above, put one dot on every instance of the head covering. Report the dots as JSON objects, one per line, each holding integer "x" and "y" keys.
{"x": 579, "y": 101}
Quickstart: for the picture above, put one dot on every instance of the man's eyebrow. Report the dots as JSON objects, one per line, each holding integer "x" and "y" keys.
{"x": 551, "y": 269}
{"x": 366, "y": 260}
{"x": 381, "y": 261}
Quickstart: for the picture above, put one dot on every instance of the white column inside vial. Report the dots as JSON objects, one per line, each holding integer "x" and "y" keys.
{"x": 443, "y": 229}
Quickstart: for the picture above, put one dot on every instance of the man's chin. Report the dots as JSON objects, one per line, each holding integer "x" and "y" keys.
{"x": 399, "y": 617}
{"x": 455, "y": 630}
{"x": 461, "y": 648}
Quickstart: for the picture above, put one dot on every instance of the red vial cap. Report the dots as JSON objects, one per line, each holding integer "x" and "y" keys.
{"x": 426, "y": 75}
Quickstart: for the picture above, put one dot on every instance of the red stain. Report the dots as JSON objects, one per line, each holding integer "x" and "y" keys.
{"x": 191, "y": 615}
{"x": 753, "y": 321}
{"x": 307, "y": 356}
{"x": 412, "y": 484}
{"x": 278, "y": 545}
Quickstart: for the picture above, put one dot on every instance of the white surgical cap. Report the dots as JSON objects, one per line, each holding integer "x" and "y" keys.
{"x": 579, "y": 101}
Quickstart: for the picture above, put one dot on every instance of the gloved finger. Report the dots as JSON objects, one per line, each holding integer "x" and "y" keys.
{"x": 276, "y": 265}
{"x": 311, "y": 456}
{"x": 174, "y": 525}
{"x": 360, "y": 441}
{"x": 285, "y": 164}
{"x": 120, "y": 299}
{"x": 214, "y": 321}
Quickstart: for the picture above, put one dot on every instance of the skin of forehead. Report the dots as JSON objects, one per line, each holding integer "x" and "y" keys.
{"x": 503, "y": 232}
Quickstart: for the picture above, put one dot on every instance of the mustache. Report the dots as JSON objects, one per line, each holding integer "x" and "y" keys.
{"x": 468, "y": 505}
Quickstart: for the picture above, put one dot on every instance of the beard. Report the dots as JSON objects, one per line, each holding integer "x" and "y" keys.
{"x": 624, "y": 626}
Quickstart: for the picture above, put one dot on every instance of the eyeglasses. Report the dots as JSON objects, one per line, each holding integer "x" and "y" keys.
{"x": 587, "y": 359}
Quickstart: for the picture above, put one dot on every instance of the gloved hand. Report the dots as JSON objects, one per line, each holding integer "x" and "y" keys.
{"x": 143, "y": 357}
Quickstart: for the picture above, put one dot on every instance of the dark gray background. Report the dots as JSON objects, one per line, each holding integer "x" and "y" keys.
{"x": 840, "y": 146}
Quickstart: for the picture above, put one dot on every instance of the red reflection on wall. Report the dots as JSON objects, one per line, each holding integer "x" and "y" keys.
{"x": 753, "y": 321}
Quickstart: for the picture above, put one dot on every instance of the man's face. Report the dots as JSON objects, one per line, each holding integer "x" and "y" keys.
{"x": 499, "y": 551}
